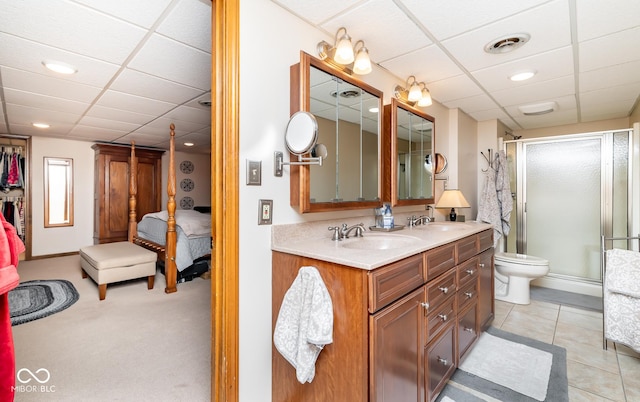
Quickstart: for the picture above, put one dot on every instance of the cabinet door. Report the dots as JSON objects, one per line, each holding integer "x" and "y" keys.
{"x": 439, "y": 362}
{"x": 485, "y": 289}
{"x": 396, "y": 350}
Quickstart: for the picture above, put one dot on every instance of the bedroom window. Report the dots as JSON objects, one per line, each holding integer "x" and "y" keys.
{"x": 58, "y": 192}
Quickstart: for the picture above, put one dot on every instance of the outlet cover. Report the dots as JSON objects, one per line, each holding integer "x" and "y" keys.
{"x": 265, "y": 212}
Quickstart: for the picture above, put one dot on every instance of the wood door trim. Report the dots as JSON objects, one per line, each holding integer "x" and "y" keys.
{"x": 225, "y": 94}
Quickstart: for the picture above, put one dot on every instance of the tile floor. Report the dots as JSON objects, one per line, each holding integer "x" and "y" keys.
{"x": 594, "y": 374}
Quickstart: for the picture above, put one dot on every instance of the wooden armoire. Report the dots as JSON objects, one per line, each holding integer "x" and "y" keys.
{"x": 111, "y": 203}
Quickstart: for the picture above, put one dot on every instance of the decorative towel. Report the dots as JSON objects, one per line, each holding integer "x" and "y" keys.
{"x": 496, "y": 203}
{"x": 305, "y": 323}
{"x": 622, "y": 297}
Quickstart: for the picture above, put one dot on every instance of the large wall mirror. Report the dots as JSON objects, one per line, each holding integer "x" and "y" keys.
{"x": 410, "y": 134}
{"x": 349, "y": 125}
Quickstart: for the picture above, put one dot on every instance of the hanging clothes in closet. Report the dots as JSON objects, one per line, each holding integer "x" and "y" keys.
{"x": 12, "y": 162}
{"x": 12, "y": 209}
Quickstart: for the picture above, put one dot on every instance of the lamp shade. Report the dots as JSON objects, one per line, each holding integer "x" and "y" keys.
{"x": 362, "y": 64}
{"x": 344, "y": 50}
{"x": 452, "y": 199}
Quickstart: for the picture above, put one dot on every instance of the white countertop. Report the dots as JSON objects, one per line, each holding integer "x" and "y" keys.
{"x": 364, "y": 252}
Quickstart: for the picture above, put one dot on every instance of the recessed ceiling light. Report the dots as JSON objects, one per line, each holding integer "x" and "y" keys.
{"x": 59, "y": 67}
{"x": 188, "y": 144}
{"x": 521, "y": 76}
{"x": 41, "y": 125}
{"x": 374, "y": 110}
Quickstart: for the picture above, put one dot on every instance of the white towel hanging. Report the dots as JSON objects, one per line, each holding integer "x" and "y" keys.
{"x": 305, "y": 323}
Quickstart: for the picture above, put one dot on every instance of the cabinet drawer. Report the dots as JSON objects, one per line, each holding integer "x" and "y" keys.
{"x": 466, "y": 248}
{"x": 467, "y": 329}
{"x": 468, "y": 271}
{"x": 440, "y": 362}
{"x": 441, "y": 289}
{"x": 393, "y": 281}
{"x": 485, "y": 240}
{"x": 467, "y": 295}
{"x": 439, "y": 260}
{"x": 440, "y": 317}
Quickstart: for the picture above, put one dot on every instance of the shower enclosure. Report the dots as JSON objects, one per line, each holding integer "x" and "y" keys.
{"x": 568, "y": 191}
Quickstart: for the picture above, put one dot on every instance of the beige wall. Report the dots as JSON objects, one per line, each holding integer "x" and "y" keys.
{"x": 200, "y": 177}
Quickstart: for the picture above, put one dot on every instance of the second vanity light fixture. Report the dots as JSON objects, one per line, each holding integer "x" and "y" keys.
{"x": 344, "y": 53}
{"x": 414, "y": 93}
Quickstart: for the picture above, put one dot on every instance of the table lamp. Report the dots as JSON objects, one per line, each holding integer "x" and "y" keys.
{"x": 452, "y": 199}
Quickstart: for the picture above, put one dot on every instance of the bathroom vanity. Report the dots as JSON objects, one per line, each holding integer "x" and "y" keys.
{"x": 407, "y": 308}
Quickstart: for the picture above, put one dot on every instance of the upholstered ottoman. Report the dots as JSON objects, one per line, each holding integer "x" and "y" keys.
{"x": 115, "y": 262}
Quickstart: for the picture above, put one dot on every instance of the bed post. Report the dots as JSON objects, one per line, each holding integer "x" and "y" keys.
{"x": 170, "y": 270}
{"x": 133, "y": 191}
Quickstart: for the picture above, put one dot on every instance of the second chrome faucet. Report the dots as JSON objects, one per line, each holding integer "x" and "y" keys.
{"x": 344, "y": 231}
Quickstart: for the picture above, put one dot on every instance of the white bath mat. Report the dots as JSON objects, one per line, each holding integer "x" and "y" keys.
{"x": 513, "y": 365}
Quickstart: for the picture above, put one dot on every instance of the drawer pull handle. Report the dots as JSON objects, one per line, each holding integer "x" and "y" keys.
{"x": 468, "y": 294}
{"x": 444, "y": 289}
{"x": 470, "y": 271}
{"x": 425, "y": 305}
{"x": 443, "y": 317}
{"x": 481, "y": 265}
{"x": 443, "y": 361}
{"x": 469, "y": 330}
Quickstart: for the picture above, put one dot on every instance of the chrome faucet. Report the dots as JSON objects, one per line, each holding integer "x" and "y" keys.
{"x": 359, "y": 229}
{"x": 414, "y": 221}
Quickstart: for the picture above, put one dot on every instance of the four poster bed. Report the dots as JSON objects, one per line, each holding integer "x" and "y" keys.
{"x": 181, "y": 239}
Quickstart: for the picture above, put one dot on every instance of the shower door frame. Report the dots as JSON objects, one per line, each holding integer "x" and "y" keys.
{"x": 606, "y": 185}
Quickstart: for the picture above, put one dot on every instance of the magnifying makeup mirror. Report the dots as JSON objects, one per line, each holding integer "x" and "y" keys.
{"x": 441, "y": 163}
{"x": 300, "y": 138}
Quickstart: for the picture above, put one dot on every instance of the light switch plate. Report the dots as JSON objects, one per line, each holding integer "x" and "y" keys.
{"x": 265, "y": 212}
{"x": 254, "y": 173}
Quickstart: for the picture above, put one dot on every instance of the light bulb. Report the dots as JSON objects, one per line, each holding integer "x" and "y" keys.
{"x": 344, "y": 50}
{"x": 362, "y": 65}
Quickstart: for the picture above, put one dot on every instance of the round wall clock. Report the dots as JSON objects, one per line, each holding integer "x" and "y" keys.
{"x": 186, "y": 167}
{"x": 186, "y": 203}
{"x": 187, "y": 185}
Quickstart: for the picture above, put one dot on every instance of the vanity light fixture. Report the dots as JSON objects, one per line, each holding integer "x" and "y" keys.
{"x": 344, "y": 54}
{"x": 417, "y": 93}
{"x": 59, "y": 67}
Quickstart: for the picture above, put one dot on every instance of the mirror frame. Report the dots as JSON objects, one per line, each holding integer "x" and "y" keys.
{"x": 300, "y": 179}
{"x": 390, "y": 145}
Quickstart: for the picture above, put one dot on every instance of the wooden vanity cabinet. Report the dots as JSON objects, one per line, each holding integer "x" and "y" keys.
{"x": 399, "y": 330}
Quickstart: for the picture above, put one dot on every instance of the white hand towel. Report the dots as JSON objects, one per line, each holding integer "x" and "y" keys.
{"x": 305, "y": 323}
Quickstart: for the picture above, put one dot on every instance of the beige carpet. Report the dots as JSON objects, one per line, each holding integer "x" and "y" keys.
{"x": 136, "y": 345}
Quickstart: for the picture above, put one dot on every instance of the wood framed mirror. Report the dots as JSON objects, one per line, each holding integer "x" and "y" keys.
{"x": 349, "y": 125}
{"x": 410, "y": 160}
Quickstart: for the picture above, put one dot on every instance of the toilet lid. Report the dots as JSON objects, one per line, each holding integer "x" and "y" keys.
{"x": 520, "y": 259}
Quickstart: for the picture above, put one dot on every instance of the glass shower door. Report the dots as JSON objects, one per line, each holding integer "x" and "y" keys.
{"x": 563, "y": 190}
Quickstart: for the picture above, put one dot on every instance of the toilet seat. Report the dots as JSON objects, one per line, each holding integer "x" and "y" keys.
{"x": 520, "y": 259}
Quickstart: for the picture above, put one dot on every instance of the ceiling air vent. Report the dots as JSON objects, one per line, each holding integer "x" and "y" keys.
{"x": 538, "y": 108}
{"x": 347, "y": 93}
{"x": 507, "y": 43}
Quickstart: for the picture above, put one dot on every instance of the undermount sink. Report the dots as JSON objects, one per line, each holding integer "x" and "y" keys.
{"x": 374, "y": 241}
{"x": 443, "y": 226}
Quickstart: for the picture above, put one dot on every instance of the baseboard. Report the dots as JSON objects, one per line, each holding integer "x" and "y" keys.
{"x": 569, "y": 285}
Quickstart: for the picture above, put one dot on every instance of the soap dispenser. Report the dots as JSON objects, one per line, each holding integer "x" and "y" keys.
{"x": 387, "y": 218}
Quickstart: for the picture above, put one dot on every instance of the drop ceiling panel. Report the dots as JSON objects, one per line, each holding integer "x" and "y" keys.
{"x": 200, "y": 115}
{"x": 96, "y": 122}
{"x": 437, "y": 15}
{"x": 388, "y": 42}
{"x": 468, "y": 48}
{"x": 47, "y": 85}
{"x": 316, "y": 11}
{"x": 621, "y": 47}
{"x": 492, "y": 114}
{"x": 426, "y": 64}
{"x": 138, "y": 104}
{"x": 612, "y": 94}
{"x": 548, "y": 65}
{"x": 620, "y": 74}
{"x": 101, "y": 134}
{"x": 558, "y": 118}
{"x": 565, "y": 103}
{"x": 473, "y": 104}
{"x": 25, "y": 115}
{"x": 140, "y": 140}
{"x": 139, "y": 12}
{"x": 196, "y": 14}
{"x": 619, "y": 16}
{"x": 26, "y": 55}
{"x": 148, "y": 86}
{"x": 92, "y": 34}
{"x": 174, "y": 61}
{"x": 35, "y": 100}
{"x": 536, "y": 92}
{"x": 126, "y": 116}
{"x": 453, "y": 88}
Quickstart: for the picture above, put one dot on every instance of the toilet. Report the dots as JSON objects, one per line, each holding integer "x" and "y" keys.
{"x": 513, "y": 274}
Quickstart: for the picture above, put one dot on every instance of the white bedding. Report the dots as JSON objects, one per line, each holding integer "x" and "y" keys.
{"x": 193, "y": 230}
